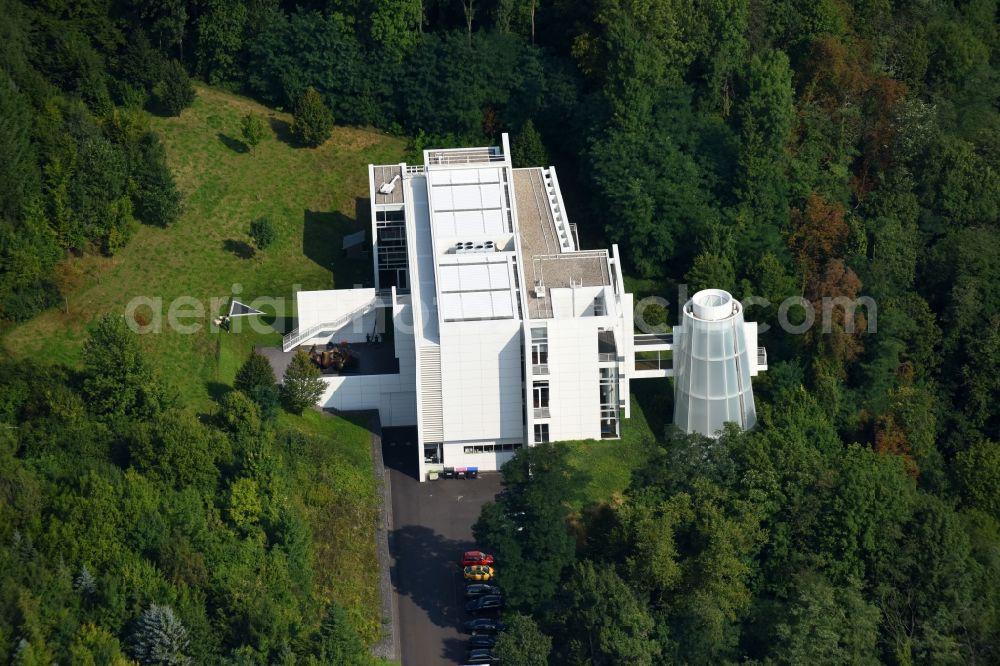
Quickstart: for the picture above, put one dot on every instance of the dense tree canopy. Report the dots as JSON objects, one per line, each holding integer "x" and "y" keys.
{"x": 824, "y": 150}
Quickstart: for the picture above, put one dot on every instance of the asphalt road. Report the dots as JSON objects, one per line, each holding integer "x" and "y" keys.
{"x": 431, "y": 528}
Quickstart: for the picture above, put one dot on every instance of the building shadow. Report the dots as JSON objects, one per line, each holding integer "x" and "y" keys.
{"x": 322, "y": 242}
{"x": 399, "y": 450}
{"x": 232, "y": 144}
{"x": 656, "y": 398}
{"x": 282, "y": 130}
{"x": 423, "y": 569}
{"x": 240, "y": 248}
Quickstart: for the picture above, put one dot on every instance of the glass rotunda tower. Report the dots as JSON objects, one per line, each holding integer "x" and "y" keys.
{"x": 715, "y": 354}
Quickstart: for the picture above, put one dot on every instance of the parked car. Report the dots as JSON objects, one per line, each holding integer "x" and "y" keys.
{"x": 478, "y": 572}
{"x": 482, "y": 641}
{"x": 479, "y": 589}
{"x": 481, "y": 657}
{"x": 485, "y": 603}
{"x": 483, "y": 625}
{"x": 474, "y": 557}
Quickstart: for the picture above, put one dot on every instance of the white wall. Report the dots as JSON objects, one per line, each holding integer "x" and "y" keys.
{"x": 455, "y": 456}
{"x": 354, "y": 331}
{"x": 574, "y": 378}
{"x": 316, "y": 307}
{"x": 396, "y": 403}
{"x": 481, "y": 380}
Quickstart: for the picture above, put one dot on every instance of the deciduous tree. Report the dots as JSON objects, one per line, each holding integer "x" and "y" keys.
{"x": 253, "y": 129}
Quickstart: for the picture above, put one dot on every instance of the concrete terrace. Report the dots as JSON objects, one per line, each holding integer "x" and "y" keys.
{"x": 372, "y": 359}
{"x": 545, "y": 263}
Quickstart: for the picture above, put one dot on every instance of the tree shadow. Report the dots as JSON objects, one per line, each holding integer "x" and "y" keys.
{"x": 240, "y": 248}
{"x": 322, "y": 242}
{"x": 234, "y": 145}
{"x": 424, "y": 570}
{"x": 282, "y": 131}
{"x": 455, "y": 650}
{"x": 217, "y": 390}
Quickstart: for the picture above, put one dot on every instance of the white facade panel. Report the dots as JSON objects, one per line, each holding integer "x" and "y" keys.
{"x": 481, "y": 380}
{"x": 396, "y": 403}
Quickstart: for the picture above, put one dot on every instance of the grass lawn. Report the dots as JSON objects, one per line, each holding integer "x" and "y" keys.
{"x": 313, "y": 197}
{"x": 335, "y": 487}
{"x": 602, "y": 468}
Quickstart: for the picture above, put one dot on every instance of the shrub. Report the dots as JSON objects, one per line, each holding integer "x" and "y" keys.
{"x": 262, "y": 232}
{"x": 253, "y": 130}
{"x": 312, "y": 121}
{"x": 174, "y": 92}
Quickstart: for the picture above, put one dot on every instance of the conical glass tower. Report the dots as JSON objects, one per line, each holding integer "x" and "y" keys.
{"x": 713, "y": 362}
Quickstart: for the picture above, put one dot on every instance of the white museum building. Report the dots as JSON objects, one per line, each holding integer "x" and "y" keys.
{"x": 498, "y": 330}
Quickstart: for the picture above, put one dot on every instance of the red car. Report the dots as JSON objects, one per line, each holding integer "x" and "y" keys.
{"x": 476, "y": 557}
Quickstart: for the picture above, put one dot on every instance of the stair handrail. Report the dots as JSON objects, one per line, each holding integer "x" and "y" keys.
{"x": 292, "y": 339}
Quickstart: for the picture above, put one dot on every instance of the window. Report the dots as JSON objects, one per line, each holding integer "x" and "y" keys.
{"x": 432, "y": 453}
{"x": 541, "y": 394}
{"x": 541, "y": 433}
{"x": 492, "y": 448}
{"x": 540, "y": 349}
{"x": 540, "y": 399}
{"x": 599, "y": 309}
{"x": 609, "y": 402}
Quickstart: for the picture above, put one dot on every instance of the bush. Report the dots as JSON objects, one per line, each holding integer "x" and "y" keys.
{"x": 262, "y": 232}
{"x": 253, "y": 130}
{"x": 174, "y": 92}
{"x": 312, "y": 121}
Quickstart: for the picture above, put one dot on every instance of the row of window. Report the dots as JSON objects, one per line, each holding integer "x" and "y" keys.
{"x": 492, "y": 448}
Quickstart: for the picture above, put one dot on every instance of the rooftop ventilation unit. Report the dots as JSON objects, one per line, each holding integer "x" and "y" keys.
{"x": 469, "y": 247}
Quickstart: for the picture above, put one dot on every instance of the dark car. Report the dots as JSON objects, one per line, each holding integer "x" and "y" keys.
{"x": 483, "y": 625}
{"x": 482, "y": 641}
{"x": 481, "y": 657}
{"x": 479, "y": 589}
{"x": 485, "y": 603}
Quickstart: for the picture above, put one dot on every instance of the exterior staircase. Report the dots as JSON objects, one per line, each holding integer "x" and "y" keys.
{"x": 300, "y": 335}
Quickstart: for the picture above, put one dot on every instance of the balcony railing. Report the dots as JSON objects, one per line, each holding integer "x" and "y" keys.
{"x": 542, "y": 413}
{"x": 606, "y": 357}
{"x": 540, "y": 369}
{"x": 761, "y": 357}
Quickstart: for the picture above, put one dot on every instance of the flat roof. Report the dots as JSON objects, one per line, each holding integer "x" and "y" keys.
{"x": 544, "y": 260}
{"x": 386, "y": 174}
{"x": 425, "y": 292}
{"x": 471, "y": 222}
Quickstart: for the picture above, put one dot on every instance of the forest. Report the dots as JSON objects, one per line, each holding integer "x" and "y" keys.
{"x": 811, "y": 148}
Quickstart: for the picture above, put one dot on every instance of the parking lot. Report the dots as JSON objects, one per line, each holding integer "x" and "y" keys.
{"x": 431, "y": 527}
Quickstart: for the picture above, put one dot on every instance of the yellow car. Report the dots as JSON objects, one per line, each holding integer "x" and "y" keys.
{"x": 478, "y": 572}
